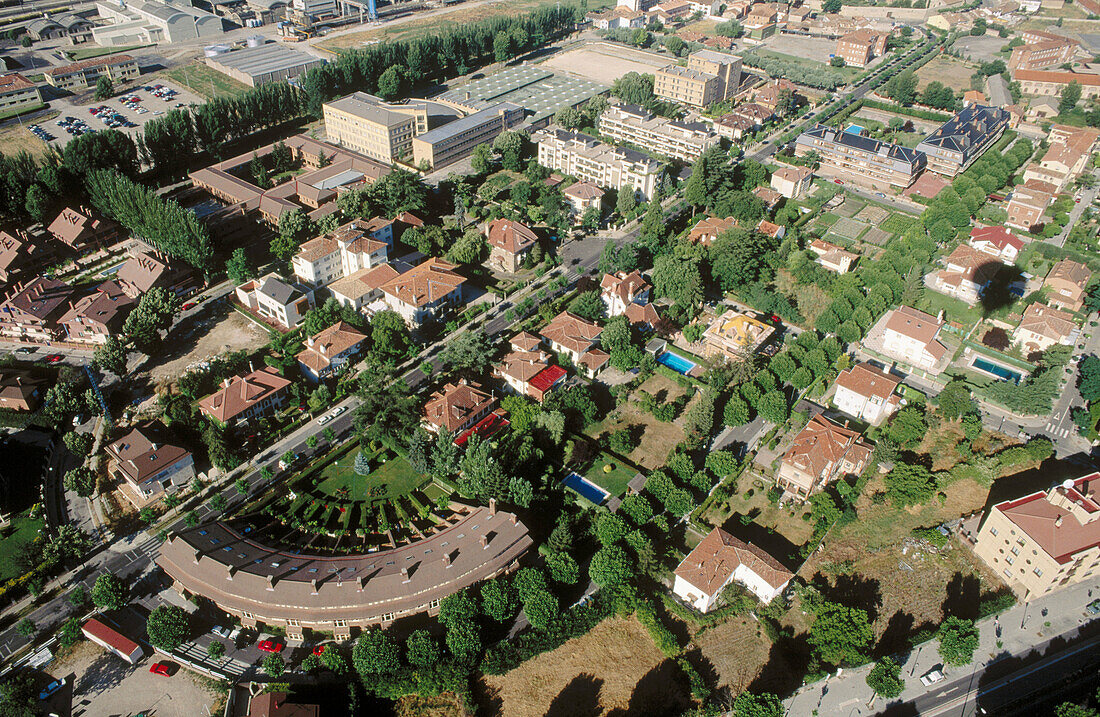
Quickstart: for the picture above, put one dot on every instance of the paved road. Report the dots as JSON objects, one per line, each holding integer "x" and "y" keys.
{"x": 1023, "y": 630}
{"x": 1086, "y": 196}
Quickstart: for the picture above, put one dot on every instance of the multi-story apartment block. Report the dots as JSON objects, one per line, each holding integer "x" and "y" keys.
{"x": 98, "y": 316}
{"x": 860, "y": 47}
{"x": 1069, "y": 151}
{"x": 1044, "y": 54}
{"x": 708, "y": 78}
{"x": 453, "y": 141}
{"x": 32, "y": 311}
{"x": 1046, "y": 540}
{"x": 588, "y": 159}
{"x": 959, "y": 141}
{"x": 17, "y": 92}
{"x": 424, "y": 293}
{"x": 672, "y": 138}
{"x": 79, "y": 75}
{"x": 866, "y": 160}
{"x": 822, "y": 452}
{"x": 357, "y": 245}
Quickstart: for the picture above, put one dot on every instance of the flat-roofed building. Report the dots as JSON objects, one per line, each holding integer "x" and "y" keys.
{"x": 588, "y": 159}
{"x": 83, "y": 74}
{"x": 671, "y": 138}
{"x": 864, "y": 159}
{"x": 959, "y": 141}
{"x": 296, "y": 589}
{"x": 17, "y": 92}
{"x": 383, "y": 130}
{"x": 455, "y": 140}
{"x": 273, "y": 62}
{"x": 734, "y": 335}
{"x": 1046, "y": 540}
{"x": 708, "y": 78}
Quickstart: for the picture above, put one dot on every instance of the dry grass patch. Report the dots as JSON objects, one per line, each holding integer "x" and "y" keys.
{"x": 810, "y": 299}
{"x": 657, "y": 437}
{"x": 949, "y": 71}
{"x": 785, "y": 521}
{"x": 203, "y": 339}
{"x": 445, "y": 705}
{"x": 16, "y": 138}
{"x": 614, "y": 669}
{"x": 736, "y": 649}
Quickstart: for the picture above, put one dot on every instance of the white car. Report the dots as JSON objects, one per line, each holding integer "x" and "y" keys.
{"x": 324, "y": 419}
{"x": 338, "y": 411}
{"x": 932, "y": 677}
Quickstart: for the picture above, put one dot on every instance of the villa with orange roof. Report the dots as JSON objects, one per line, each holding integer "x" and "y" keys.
{"x": 243, "y": 398}
{"x": 424, "y": 293}
{"x": 720, "y": 559}
{"x": 822, "y": 452}
{"x": 510, "y": 243}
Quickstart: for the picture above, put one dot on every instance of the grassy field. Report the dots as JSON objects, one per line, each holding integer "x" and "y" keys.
{"x": 614, "y": 482}
{"x": 15, "y": 138}
{"x": 949, "y": 71}
{"x": 737, "y": 649}
{"x": 427, "y": 23}
{"x": 652, "y": 436}
{"x": 22, "y": 110}
{"x": 87, "y": 53}
{"x": 848, "y": 72}
{"x": 589, "y": 676}
{"x": 22, "y": 530}
{"x": 898, "y": 223}
{"x": 395, "y": 476}
{"x": 204, "y": 81}
{"x": 953, "y": 309}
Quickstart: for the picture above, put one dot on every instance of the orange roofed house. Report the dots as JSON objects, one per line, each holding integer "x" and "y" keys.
{"x": 32, "y": 311}
{"x": 243, "y": 398}
{"x": 329, "y": 349}
{"x": 526, "y": 369}
{"x": 720, "y": 559}
{"x": 457, "y": 406}
{"x": 81, "y": 229}
{"x": 1044, "y": 541}
{"x": 866, "y": 393}
{"x": 860, "y": 47}
{"x": 145, "y": 270}
{"x": 822, "y": 452}
{"x": 510, "y": 244}
{"x": 149, "y": 465}
{"x": 98, "y": 316}
{"x": 577, "y": 338}
{"x": 425, "y": 292}
{"x": 1067, "y": 282}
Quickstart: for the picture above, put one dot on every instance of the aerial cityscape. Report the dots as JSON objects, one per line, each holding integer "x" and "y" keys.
{"x": 549, "y": 358}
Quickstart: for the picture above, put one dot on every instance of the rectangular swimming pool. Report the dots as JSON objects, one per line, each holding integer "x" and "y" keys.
{"x": 586, "y": 488}
{"x": 676, "y": 362}
{"x": 997, "y": 370}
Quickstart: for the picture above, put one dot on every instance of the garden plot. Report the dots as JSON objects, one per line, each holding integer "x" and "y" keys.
{"x": 877, "y": 236}
{"x": 849, "y": 229}
{"x": 872, "y": 214}
{"x": 849, "y": 207}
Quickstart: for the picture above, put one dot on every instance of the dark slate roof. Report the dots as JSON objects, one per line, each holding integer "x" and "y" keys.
{"x": 967, "y": 129}
{"x": 866, "y": 144}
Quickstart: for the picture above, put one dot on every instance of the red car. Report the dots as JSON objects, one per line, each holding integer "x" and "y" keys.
{"x": 838, "y": 181}
{"x": 189, "y": 305}
{"x": 161, "y": 668}
{"x": 53, "y": 358}
{"x": 269, "y": 646}
{"x": 317, "y": 650}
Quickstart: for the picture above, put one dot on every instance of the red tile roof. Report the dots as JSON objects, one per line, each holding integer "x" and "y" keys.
{"x": 717, "y": 556}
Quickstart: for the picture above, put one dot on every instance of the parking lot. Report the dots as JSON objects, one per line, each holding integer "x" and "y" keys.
{"x": 126, "y": 112}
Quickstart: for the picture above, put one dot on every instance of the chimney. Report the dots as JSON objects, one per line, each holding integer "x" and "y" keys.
{"x": 250, "y": 369}
{"x": 484, "y": 540}
{"x": 492, "y": 507}
{"x": 405, "y": 576}
{"x": 1058, "y": 522}
{"x": 229, "y": 570}
{"x": 514, "y": 519}
{"x": 313, "y": 582}
{"x": 309, "y": 342}
{"x": 362, "y": 582}
{"x": 271, "y": 582}
{"x": 447, "y": 560}
{"x": 321, "y": 349}
{"x": 225, "y": 383}
{"x": 195, "y": 555}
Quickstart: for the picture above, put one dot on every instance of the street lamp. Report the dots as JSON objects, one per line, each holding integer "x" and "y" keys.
{"x": 1024, "y": 620}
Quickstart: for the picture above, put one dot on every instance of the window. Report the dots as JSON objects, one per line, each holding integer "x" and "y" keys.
{"x": 993, "y": 532}
{"x": 1038, "y": 572}
{"x": 1015, "y": 550}
{"x": 1010, "y": 560}
{"x": 340, "y": 623}
{"x": 248, "y": 616}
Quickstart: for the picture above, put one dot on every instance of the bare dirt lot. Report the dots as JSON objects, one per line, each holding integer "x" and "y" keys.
{"x": 215, "y": 331}
{"x": 589, "y": 676}
{"x": 605, "y": 62}
{"x": 100, "y": 683}
{"x": 808, "y": 48}
{"x": 652, "y": 437}
{"x": 736, "y": 650}
{"x": 952, "y": 73}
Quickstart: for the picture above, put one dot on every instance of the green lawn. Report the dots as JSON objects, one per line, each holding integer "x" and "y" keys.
{"x": 395, "y": 477}
{"x": 205, "y": 81}
{"x": 613, "y": 482}
{"x": 22, "y": 530}
{"x": 848, "y": 72}
{"x": 953, "y": 309}
{"x": 898, "y": 223}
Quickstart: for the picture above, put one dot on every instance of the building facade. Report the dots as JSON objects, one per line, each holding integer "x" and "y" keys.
{"x": 860, "y": 47}
{"x": 83, "y": 74}
{"x": 671, "y": 138}
{"x": 456, "y": 140}
{"x": 959, "y": 141}
{"x": 590, "y": 160}
{"x": 17, "y": 92}
{"x": 863, "y": 159}
{"x": 866, "y": 393}
{"x": 822, "y": 452}
{"x": 708, "y": 78}
{"x": 720, "y": 559}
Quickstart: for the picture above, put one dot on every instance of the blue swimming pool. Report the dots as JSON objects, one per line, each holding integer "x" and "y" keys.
{"x": 676, "y": 362}
{"x": 997, "y": 370}
{"x": 586, "y": 488}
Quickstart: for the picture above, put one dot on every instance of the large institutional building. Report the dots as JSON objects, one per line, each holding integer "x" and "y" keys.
{"x": 863, "y": 158}
{"x": 954, "y": 146}
{"x": 588, "y": 159}
{"x": 1046, "y": 540}
{"x": 294, "y": 590}
{"x": 708, "y": 78}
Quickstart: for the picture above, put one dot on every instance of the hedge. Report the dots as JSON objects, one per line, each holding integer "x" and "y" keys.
{"x": 903, "y": 110}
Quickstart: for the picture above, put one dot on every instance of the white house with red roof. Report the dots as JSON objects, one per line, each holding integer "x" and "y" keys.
{"x": 865, "y": 392}
{"x": 720, "y": 559}
{"x": 997, "y": 242}
{"x": 620, "y": 290}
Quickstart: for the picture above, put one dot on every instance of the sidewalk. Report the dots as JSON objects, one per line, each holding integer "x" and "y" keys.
{"x": 1021, "y": 627}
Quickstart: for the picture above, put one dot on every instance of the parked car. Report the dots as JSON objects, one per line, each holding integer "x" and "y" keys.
{"x": 24, "y": 350}
{"x": 189, "y": 305}
{"x": 318, "y": 649}
{"x": 932, "y": 676}
{"x": 221, "y": 631}
{"x": 269, "y": 646}
{"x": 162, "y": 668}
{"x": 51, "y": 688}
{"x": 53, "y": 358}
{"x": 1093, "y": 608}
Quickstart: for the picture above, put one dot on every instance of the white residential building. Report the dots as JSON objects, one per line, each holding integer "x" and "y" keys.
{"x": 588, "y": 159}
{"x": 721, "y": 559}
{"x": 274, "y": 299}
{"x": 671, "y": 138}
{"x": 910, "y": 336}
{"x": 424, "y": 293}
{"x": 866, "y": 393}
{"x": 997, "y": 242}
{"x": 620, "y": 290}
{"x": 356, "y": 245}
